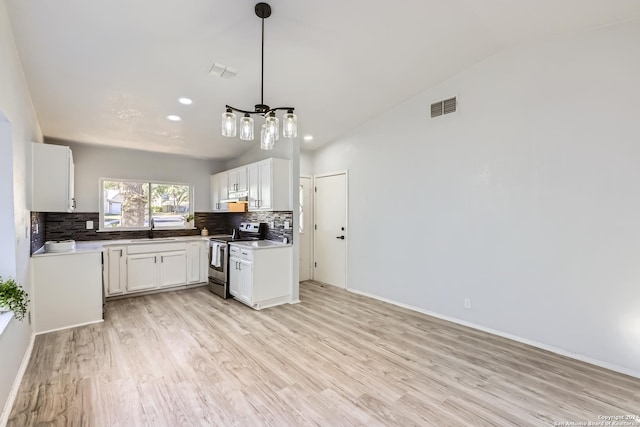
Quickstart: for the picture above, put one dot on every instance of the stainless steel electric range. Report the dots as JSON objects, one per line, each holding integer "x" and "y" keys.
{"x": 219, "y": 254}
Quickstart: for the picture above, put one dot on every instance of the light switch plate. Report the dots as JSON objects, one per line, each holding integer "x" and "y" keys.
{"x": 286, "y": 225}
{"x": 89, "y": 225}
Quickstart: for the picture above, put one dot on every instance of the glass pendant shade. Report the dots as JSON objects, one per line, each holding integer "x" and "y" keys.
{"x": 273, "y": 123}
{"x": 289, "y": 125}
{"x": 266, "y": 138}
{"x": 229, "y": 123}
{"x": 246, "y": 128}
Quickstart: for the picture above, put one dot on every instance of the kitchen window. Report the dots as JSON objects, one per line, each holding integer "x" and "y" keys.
{"x": 143, "y": 205}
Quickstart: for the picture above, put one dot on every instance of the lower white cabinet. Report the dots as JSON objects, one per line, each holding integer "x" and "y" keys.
{"x": 197, "y": 257}
{"x": 140, "y": 267}
{"x": 115, "y": 270}
{"x": 67, "y": 290}
{"x": 260, "y": 278}
{"x": 156, "y": 270}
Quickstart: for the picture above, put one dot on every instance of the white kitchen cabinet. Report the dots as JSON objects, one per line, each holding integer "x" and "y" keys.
{"x": 173, "y": 268}
{"x": 219, "y": 191}
{"x": 156, "y": 265}
{"x": 238, "y": 180}
{"x": 260, "y": 278}
{"x": 53, "y": 178}
{"x": 139, "y": 267}
{"x": 204, "y": 261}
{"x": 156, "y": 270}
{"x": 67, "y": 290}
{"x": 142, "y": 272}
{"x": 241, "y": 275}
{"x": 269, "y": 185}
{"x": 194, "y": 261}
{"x": 115, "y": 270}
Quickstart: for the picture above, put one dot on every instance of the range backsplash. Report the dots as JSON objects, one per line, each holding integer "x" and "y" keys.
{"x": 47, "y": 226}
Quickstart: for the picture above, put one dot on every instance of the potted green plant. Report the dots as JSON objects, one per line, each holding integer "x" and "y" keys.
{"x": 188, "y": 221}
{"x": 13, "y": 298}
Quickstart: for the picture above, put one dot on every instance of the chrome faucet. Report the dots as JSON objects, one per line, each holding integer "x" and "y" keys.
{"x": 151, "y": 228}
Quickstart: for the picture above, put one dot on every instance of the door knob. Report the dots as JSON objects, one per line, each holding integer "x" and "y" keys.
{"x": 340, "y": 237}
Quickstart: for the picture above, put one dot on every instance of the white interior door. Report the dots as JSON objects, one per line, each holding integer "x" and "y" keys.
{"x": 330, "y": 236}
{"x": 305, "y": 226}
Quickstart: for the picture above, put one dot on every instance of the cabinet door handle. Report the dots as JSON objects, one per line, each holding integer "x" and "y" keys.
{"x": 155, "y": 259}
{"x": 340, "y": 237}
{"x": 161, "y": 259}
{"x": 120, "y": 252}
{"x": 239, "y": 266}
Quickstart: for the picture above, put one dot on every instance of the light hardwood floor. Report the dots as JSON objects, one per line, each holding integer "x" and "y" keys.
{"x": 188, "y": 358}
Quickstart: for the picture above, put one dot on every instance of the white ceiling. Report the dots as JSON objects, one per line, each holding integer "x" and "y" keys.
{"x": 109, "y": 72}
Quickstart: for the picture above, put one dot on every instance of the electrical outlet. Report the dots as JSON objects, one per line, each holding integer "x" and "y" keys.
{"x": 36, "y": 229}
{"x": 89, "y": 225}
{"x": 286, "y": 225}
{"x": 467, "y": 303}
{"x": 272, "y": 224}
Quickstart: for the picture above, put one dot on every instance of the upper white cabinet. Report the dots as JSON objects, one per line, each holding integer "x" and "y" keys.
{"x": 266, "y": 184}
{"x": 238, "y": 180}
{"x": 219, "y": 191}
{"x": 53, "y": 175}
{"x": 269, "y": 185}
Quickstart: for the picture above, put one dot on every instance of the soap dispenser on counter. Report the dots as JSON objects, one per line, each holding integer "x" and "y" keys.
{"x": 204, "y": 231}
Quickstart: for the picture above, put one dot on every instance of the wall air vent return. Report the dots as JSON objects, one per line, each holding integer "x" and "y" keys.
{"x": 446, "y": 106}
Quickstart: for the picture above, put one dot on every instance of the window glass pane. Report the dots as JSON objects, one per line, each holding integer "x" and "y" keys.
{"x": 126, "y": 204}
{"x": 170, "y": 205}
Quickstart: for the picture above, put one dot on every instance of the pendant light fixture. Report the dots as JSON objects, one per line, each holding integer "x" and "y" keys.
{"x": 270, "y": 129}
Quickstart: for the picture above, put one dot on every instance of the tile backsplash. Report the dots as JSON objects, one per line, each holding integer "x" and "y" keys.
{"x": 47, "y": 226}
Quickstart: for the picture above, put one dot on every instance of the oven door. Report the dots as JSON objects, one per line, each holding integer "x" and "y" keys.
{"x": 218, "y": 261}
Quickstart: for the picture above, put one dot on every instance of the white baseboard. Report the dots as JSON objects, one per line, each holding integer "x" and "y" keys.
{"x": 69, "y": 327}
{"x": 4, "y": 417}
{"x": 532, "y": 343}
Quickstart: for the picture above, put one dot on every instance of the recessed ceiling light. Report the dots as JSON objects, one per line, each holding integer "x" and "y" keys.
{"x": 174, "y": 118}
{"x": 185, "y": 101}
{"x": 308, "y": 137}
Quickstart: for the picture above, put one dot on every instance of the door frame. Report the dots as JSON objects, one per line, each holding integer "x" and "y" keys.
{"x": 344, "y": 172}
{"x": 310, "y": 231}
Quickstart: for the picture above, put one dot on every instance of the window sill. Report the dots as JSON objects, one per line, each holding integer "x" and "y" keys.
{"x": 5, "y": 318}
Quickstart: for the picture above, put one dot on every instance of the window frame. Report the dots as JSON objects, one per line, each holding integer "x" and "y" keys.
{"x": 150, "y": 211}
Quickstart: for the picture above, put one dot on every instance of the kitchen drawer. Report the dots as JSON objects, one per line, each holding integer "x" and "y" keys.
{"x": 246, "y": 254}
{"x": 143, "y": 248}
{"x": 234, "y": 251}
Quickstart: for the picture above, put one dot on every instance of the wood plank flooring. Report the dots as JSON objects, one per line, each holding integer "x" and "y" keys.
{"x": 188, "y": 358}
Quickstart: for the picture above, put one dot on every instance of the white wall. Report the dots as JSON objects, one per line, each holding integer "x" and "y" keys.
{"x": 306, "y": 163}
{"x": 16, "y": 115}
{"x": 93, "y": 162}
{"x": 527, "y": 200}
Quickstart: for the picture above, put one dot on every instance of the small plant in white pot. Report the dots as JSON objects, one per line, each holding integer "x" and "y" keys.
{"x": 13, "y": 298}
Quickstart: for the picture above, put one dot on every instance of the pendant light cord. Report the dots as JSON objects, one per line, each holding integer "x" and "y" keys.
{"x": 262, "y": 72}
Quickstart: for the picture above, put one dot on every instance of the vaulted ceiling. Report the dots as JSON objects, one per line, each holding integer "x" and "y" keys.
{"x": 109, "y": 72}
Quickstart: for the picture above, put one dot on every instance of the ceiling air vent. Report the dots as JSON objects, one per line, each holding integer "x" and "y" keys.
{"x": 444, "y": 107}
{"x": 222, "y": 70}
